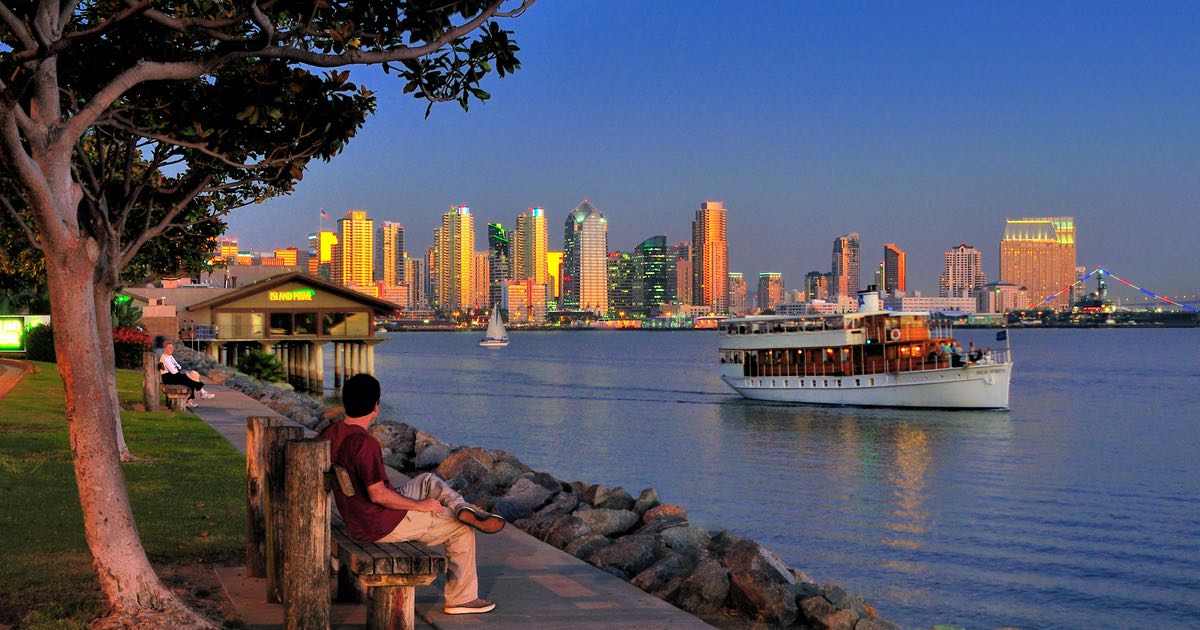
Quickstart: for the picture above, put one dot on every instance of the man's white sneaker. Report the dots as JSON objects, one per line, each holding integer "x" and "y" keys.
{"x": 206, "y": 395}
{"x": 477, "y": 606}
{"x": 191, "y": 404}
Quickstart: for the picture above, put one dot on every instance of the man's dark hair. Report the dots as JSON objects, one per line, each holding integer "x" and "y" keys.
{"x": 360, "y": 393}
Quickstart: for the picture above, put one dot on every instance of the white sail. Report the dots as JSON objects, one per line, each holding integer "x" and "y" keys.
{"x": 495, "y": 329}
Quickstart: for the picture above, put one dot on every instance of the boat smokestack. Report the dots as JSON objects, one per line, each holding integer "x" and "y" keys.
{"x": 868, "y": 301}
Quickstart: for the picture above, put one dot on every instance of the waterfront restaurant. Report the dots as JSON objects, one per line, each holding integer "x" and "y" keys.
{"x": 293, "y": 316}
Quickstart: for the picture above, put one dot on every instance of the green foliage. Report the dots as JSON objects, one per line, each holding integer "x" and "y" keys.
{"x": 263, "y": 366}
{"x": 130, "y": 346}
{"x": 126, "y": 314}
{"x": 188, "y": 498}
{"x": 39, "y": 344}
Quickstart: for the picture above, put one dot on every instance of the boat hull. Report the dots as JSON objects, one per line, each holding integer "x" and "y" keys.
{"x": 971, "y": 387}
{"x": 493, "y": 343}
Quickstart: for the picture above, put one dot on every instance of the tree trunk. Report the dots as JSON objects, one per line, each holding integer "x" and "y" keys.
{"x": 151, "y": 381}
{"x": 133, "y": 591}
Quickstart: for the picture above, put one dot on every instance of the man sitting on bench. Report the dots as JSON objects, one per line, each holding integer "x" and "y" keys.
{"x": 425, "y": 510}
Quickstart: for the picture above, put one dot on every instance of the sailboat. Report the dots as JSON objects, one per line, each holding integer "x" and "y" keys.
{"x": 496, "y": 336}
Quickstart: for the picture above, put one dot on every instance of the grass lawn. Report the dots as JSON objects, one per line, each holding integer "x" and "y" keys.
{"x": 189, "y": 499}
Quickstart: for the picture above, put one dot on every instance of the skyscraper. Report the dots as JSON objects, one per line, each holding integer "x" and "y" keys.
{"x": 770, "y": 290}
{"x": 1039, "y": 254}
{"x": 554, "y": 261}
{"x": 847, "y": 261}
{"x": 683, "y": 272}
{"x": 963, "y": 273}
{"x": 414, "y": 277}
{"x": 710, "y": 257}
{"x": 737, "y": 293}
{"x": 389, "y": 254}
{"x": 894, "y": 269}
{"x": 355, "y": 264}
{"x": 655, "y": 263}
{"x": 454, "y": 245}
{"x": 585, "y": 260}
{"x": 499, "y": 259}
{"x": 529, "y": 245}
{"x": 624, "y": 286}
{"x": 816, "y": 285}
{"x": 481, "y": 281}
{"x": 320, "y": 256}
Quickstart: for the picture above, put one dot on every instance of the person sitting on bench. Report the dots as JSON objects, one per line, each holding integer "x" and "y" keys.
{"x": 172, "y": 374}
{"x": 425, "y": 510}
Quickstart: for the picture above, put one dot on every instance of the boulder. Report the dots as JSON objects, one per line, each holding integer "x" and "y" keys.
{"x": 646, "y": 500}
{"x": 305, "y": 419}
{"x": 432, "y": 455}
{"x": 396, "y": 437}
{"x": 565, "y": 529}
{"x": 584, "y": 546}
{"x": 504, "y": 456}
{"x": 662, "y": 511}
{"x": 844, "y": 619}
{"x": 587, "y": 492}
{"x": 614, "y": 499}
{"x": 748, "y": 556}
{"x": 544, "y": 480}
{"x": 333, "y": 414}
{"x": 527, "y": 494}
{"x": 630, "y": 555}
{"x": 471, "y": 464}
{"x": 819, "y": 613}
{"x": 690, "y": 541}
{"x": 662, "y": 579}
{"x": 759, "y": 583}
{"x": 399, "y": 462}
{"x": 510, "y": 511}
{"x": 836, "y": 595}
{"x": 537, "y": 526}
{"x": 705, "y": 589}
{"x": 503, "y": 474}
{"x": 872, "y": 623}
{"x": 722, "y": 542}
{"x": 563, "y": 503}
{"x": 608, "y": 522}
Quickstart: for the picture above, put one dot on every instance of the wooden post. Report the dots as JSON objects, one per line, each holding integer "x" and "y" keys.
{"x": 151, "y": 381}
{"x": 337, "y": 365}
{"x": 371, "y": 360}
{"x": 391, "y": 608}
{"x": 319, "y": 367}
{"x": 275, "y": 440}
{"x": 306, "y": 508}
{"x": 256, "y": 470}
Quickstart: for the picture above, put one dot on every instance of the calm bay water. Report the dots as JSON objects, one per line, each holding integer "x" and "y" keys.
{"x": 1079, "y": 508}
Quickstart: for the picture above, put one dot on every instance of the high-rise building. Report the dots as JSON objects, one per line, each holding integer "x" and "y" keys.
{"x": 481, "y": 281}
{"x": 355, "y": 264}
{"x": 283, "y": 257}
{"x": 431, "y": 271}
{"x": 655, "y": 264}
{"x": 526, "y": 301}
{"x": 320, "y": 253}
{"x": 894, "y": 269}
{"x": 585, "y": 260}
{"x": 499, "y": 261}
{"x": 389, "y": 254}
{"x": 683, "y": 272}
{"x": 770, "y": 290}
{"x": 529, "y": 246}
{"x": 554, "y": 262}
{"x": 963, "y": 275}
{"x": 455, "y": 254}
{"x": 816, "y": 285}
{"x": 624, "y": 286}
{"x": 710, "y": 257}
{"x": 847, "y": 261}
{"x": 227, "y": 249}
{"x": 1039, "y": 254}
{"x": 737, "y": 293}
{"x": 414, "y": 277}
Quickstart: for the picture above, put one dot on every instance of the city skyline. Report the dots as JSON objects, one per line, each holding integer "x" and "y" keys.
{"x": 924, "y": 126}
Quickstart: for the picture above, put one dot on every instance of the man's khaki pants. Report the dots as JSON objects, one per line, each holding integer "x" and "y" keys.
{"x": 441, "y": 528}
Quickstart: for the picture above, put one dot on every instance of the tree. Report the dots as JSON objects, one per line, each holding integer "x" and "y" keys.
{"x": 122, "y": 120}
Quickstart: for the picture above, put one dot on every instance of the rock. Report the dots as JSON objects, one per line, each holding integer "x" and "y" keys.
{"x": 503, "y": 474}
{"x": 527, "y": 494}
{"x": 480, "y": 490}
{"x": 690, "y": 541}
{"x": 664, "y": 510}
{"x": 471, "y": 464}
{"x": 758, "y": 583}
{"x": 565, "y": 529}
{"x": 750, "y": 557}
{"x": 614, "y": 499}
{"x": 510, "y": 511}
{"x": 662, "y": 579}
{"x": 563, "y": 503}
{"x": 705, "y": 589}
{"x": 432, "y": 455}
{"x": 333, "y": 414}
{"x": 397, "y": 437}
{"x": 815, "y": 610}
{"x": 305, "y": 419}
{"x": 868, "y": 623}
{"x": 844, "y": 619}
{"x": 584, "y": 546}
{"x": 537, "y": 526}
{"x": 722, "y": 542}
{"x": 504, "y": 456}
{"x": 399, "y": 462}
{"x": 630, "y": 555}
{"x": 608, "y": 522}
{"x": 544, "y": 480}
{"x": 646, "y": 500}
{"x": 802, "y": 577}
{"x": 217, "y": 376}
{"x": 836, "y": 595}
{"x": 586, "y": 492}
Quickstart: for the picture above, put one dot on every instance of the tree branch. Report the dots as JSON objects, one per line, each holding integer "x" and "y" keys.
{"x": 164, "y": 224}
{"x": 33, "y": 240}
{"x": 37, "y": 193}
{"x": 18, "y": 27}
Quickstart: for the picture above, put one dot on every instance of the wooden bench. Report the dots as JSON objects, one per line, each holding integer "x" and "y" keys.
{"x": 177, "y": 396}
{"x": 388, "y": 572}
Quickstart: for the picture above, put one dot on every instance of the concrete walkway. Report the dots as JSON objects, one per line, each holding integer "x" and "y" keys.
{"x": 533, "y": 584}
{"x": 11, "y": 373}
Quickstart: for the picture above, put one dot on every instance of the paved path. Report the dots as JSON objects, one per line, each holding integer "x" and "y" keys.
{"x": 533, "y": 584}
{"x": 11, "y": 373}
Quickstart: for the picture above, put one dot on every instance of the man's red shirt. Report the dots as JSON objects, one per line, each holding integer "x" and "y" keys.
{"x": 354, "y": 449}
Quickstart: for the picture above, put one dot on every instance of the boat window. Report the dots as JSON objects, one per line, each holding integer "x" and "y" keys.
{"x": 858, "y": 382}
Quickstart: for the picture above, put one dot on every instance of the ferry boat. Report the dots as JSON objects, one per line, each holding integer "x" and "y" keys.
{"x": 872, "y": 358}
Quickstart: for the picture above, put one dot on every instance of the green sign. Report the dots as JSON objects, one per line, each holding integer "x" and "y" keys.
{"x": 12, "y": 334}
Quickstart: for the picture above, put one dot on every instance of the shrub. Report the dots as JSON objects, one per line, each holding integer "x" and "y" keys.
{"x": 129, "y": 346}
{"x": 263, "y": 366}
{"x": 39, "y": 343}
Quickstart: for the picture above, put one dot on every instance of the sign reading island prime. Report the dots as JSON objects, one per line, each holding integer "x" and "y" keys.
{"x": 871, "y": 358}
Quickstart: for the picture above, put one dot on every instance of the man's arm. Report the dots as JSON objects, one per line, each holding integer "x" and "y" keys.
{"x": 381, "y": 494}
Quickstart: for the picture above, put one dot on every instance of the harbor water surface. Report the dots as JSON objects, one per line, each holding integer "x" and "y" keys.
{"x": 1078, "y": 508}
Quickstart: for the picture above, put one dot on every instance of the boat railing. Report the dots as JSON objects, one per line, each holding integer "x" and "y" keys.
{"x": 837, "y": 369}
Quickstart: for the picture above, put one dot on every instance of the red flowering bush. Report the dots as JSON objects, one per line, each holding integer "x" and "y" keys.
{"x": 129, "y": 344}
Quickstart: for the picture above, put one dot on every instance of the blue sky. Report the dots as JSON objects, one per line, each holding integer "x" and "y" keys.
{"x": 923, "y": 124}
